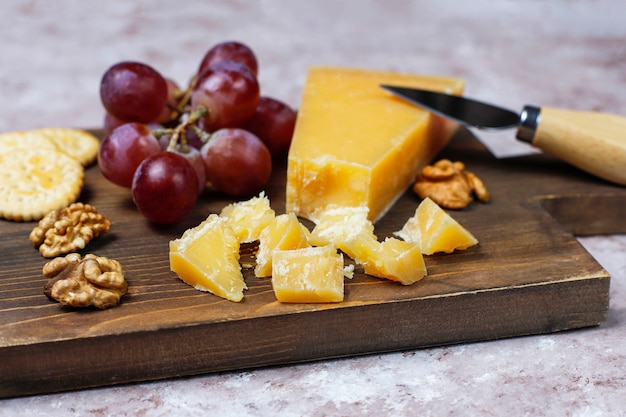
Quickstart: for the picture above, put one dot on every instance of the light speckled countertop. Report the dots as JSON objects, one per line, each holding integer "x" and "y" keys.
{"x": 559, "y": 53}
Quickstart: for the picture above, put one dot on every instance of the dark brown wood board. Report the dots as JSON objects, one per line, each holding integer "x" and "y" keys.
{"x": 528, "y": 275}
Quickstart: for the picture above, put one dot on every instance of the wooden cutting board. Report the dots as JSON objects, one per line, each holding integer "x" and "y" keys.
{"x": 527, "y": 276}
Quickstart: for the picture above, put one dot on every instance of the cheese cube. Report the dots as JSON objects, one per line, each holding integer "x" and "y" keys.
{"x": 348, "y": 229}
{"x": 308, "y": 275}
{"x": 396, "y": 260}
{"x": 249, "y": 217}
{"x": 283, "y": 232}
{"x": 356, "y": 144}
{"x": 207, "y": 258}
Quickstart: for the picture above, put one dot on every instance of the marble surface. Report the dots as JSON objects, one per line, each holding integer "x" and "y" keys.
{"x": 564, "y": 53}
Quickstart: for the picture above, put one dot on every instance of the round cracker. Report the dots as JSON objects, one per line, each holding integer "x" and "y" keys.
{"x": 11, "y": 141}
{"x": 77, "y": 143}
{"x": 36, "y": 181}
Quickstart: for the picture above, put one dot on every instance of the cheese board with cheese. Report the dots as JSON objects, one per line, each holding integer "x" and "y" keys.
{"x": 528, "y": 275}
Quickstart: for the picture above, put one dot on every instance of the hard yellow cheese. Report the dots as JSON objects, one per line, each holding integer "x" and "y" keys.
{"x": 434, "y": 230}
{"x": 348, "y": 229}
{"x": 207, "y": 258}
{"x": 283, "y": 232}
{"x": 308, "y": 275}
{"x": 356, "y": 145}
{"x": 248, "y": 218}
{"x": 396, "y": 260}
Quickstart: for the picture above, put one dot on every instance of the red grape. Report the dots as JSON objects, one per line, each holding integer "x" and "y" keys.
{"x": 237, "y": 163}
{"x": 111, "y": 122}
{"x": 123, "y": 150}
{"x": 164, "y": 142}
{"x": 195, "y": 159}
{"x": 273, "y": 122}
{"x": 172, "y": 102}
{"x": 133, "y": 91}
{"x": 193, "y": 139}
{"x": 229, "y": 91}
{"x": 230, "y": 51}
{"x": 165, "y": 188}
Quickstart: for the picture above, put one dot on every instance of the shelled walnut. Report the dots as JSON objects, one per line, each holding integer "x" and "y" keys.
{"x": 450, "y": 185}
{"x": 68, "y": 229}
{"x": 92, "y": 281}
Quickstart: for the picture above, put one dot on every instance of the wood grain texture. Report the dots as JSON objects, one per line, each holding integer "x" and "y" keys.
{"x": 527, "y": 276}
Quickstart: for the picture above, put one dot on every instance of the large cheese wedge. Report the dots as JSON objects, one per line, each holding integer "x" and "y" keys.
{"x": 357, "y": 145}
{"x": 207, "y": 258}
{"x": 308, "y": 275}
{"x": 434, "y": 230}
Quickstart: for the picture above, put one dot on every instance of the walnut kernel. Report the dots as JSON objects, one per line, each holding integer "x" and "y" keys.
{"x": 68, "y": 229}
{"x": 92, "y": 281}
{"x": 450, "y": 185}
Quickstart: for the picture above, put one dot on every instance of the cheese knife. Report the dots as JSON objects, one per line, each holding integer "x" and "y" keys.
{"x": 592, "y": 141}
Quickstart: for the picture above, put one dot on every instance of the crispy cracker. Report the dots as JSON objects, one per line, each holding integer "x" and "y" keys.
{"x": 35, "y": 181}
{"x": 11, "y": 141}
{"x": 77, "y": 143}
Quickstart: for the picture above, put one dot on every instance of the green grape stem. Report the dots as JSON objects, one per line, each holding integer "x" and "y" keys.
{"x": 183, "y": 97}
{"x": 178, "y": 137}
{"x": 204, "y": 136}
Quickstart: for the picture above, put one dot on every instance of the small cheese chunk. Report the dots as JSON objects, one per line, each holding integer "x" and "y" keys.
{"x": 207, "y": 258}
{"x": 308, "y": 275}
{"x": 283, "y": 232}
{"x": 249, "y": 217}
{"x": 434, "y": 230}
{"x": 348, "y": 229}
{"x": 356, "y": 144}
{"x": 396, "y": 260}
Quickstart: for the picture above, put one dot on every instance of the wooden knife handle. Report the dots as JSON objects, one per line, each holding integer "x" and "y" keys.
{"x": 592, "y": 141}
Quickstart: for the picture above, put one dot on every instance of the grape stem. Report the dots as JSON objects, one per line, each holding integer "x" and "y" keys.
{"x": 203, "y": 135}
{"x": 183, "y": 97}
{"x": 178, "y": 137}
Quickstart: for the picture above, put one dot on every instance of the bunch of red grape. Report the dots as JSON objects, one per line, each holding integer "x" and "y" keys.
{"x": 168, "y": 144}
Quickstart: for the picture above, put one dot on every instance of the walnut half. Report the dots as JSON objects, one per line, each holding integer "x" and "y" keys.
{"x": 68, "y": 229}
{"x": 92, "y": 281}
{"x": 450, "y": 185}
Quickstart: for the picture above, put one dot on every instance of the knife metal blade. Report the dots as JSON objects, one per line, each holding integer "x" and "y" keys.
{"x": 470, "y": 112}
{"x": 592, "y": 141}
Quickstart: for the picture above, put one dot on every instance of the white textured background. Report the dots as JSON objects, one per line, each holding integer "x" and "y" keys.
{"x": 512, "y": 52}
